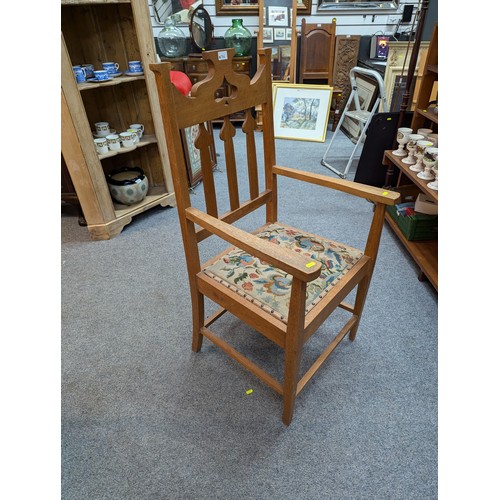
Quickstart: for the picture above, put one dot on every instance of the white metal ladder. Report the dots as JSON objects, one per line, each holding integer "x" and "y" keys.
{"x": 357, "y": 114}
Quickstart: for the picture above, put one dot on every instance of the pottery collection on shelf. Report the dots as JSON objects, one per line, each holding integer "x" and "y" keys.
{"x": 86, "y": 73}
{"x": 127, "y": 185}
{"x": 420, "y": 152}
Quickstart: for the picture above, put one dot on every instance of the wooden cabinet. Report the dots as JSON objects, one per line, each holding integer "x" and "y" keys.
{"x": 92, "y": 33}
{"x": 425, "y": 253}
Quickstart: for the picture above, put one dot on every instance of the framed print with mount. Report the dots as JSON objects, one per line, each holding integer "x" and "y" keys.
{"x": 277, "y": 16}
{"x": 267, "y": 35}
{"x": 301, "y": 112}
{"x": 279, "y": 34}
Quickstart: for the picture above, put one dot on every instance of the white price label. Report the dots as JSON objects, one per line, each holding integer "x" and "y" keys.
{"x": 222, "y": 55}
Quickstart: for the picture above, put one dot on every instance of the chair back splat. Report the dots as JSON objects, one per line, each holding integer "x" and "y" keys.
{"x": 282, "y": 281}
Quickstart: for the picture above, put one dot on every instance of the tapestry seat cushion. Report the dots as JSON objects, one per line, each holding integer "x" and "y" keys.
{"x": 269, "y": 287}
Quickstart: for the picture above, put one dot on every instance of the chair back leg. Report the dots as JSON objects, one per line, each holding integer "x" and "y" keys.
{"x": 198, "y": 312}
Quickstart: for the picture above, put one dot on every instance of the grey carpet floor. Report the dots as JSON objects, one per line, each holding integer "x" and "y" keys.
{"x": 143, "y": 417}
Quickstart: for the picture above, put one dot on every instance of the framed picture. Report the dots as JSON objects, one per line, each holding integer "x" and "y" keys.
{"x": 288, "y": 33}
{"x": 277, "y": 16}
{"x": 285, "y": 51}
{"x": 279, "y": 34}
{"x": 192, "y": 154}
{"x": 267, "y": 34}
{"x": 249, "y": 7}
{"x": 236, "y": 7}
{"x": 301, "y": 111}
{"x": 367, "y": 91}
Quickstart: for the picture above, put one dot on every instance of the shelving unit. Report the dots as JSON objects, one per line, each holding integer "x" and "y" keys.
{"x": 423, "y": 117}
{"x": 92, "y": 32}
{"x": 425, "y": 253}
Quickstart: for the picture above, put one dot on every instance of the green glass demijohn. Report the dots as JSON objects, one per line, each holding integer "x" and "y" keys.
{"x": 171, "y": 40}
{"x": 239, "y": 38}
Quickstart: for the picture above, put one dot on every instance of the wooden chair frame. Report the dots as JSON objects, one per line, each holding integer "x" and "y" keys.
{"x": 179, "y": 111}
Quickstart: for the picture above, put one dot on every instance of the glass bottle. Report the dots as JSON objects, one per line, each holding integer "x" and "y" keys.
{"x": 239, "y": 38}
{"x": 171, "y": 40}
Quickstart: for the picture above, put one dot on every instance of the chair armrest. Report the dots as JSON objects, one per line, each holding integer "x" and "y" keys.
{"x": 299, "y": 266}
{"x": 375, "y": 194}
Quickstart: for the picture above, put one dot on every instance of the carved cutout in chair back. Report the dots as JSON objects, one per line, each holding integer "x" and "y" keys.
{"x": 203, "y": 105}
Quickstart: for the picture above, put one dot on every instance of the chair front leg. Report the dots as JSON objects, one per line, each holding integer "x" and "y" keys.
{"x": 293, "y": 347}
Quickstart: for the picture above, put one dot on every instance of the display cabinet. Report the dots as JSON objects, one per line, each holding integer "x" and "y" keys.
{"x": 424, "y": 253}
{"x": 94, "y": 32}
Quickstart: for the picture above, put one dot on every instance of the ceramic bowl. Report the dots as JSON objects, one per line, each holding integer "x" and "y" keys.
{"x": 128, "y": 185}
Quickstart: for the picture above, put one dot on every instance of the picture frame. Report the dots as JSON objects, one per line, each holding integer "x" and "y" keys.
{"x": 301, "y": 111}
{"x": 192, "y": 154}
{"x": 277, "y": 16}
{"x": 367, "y": 91}
{"x": 267, "y": 35}
{"x": 288, "y": 33}
{"x": 279, "y": 34}
{"x": 251, "y": 7}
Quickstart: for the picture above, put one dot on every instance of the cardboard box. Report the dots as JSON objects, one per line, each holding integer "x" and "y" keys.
{"x": 425, "y": 205}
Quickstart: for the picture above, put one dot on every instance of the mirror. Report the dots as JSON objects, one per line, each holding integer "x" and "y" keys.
{"x": 179, "y": 10}
{"x": 201, "y": 28}
{"x": 357, "y": 5}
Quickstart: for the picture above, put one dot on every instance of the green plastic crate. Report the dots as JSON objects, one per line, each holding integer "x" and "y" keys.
{"x": 416, "y": 227}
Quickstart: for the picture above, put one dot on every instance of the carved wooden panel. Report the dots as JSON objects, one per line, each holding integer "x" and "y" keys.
{"x": 346, "y": 57}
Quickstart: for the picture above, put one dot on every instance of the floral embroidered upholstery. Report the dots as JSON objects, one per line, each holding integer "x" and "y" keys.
{"x": 269, "y": 287}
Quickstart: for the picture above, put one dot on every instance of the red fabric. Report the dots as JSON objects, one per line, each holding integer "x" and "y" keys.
{"x": 181, "y": 81}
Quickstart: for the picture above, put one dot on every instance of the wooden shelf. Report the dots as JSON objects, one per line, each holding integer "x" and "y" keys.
{"x": 151, "y": 200}
{"x": 429, "y": 115}
{"x": 403, "y": 167}
{"x": 115, "y": 81}
{"x": 424, "y": 253}
{"x": 145, "y": 140}
{"x": 422, "y": 117}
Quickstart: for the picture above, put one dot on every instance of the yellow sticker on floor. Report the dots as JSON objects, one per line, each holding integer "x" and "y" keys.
{"x": 249, "y": 391}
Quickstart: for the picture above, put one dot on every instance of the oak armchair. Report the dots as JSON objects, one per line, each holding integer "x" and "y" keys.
{"x": 282, "y": 281}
